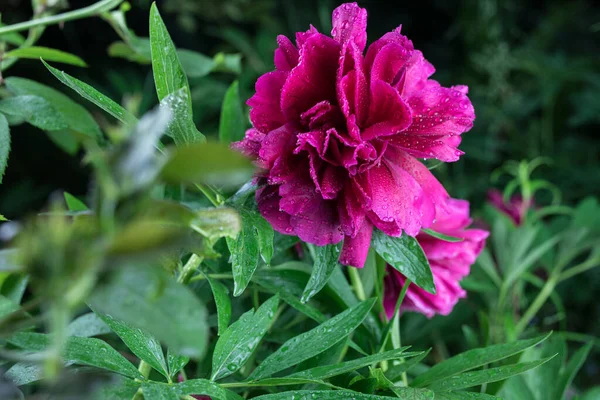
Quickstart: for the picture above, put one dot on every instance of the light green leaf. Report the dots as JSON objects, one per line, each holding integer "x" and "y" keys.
{"x": 23, "y": 373}
{"x": 222, "y": 302}
{"x": 326, "y": 260}
{"x": 327, "y": 395}
{"x": 77, "y": 118}
{"x": 255, "y": 241}
{"x": 195, "y": 65}
{"x": 465, "y": 396}
{"x": 240, "y": 340}
{"x": 405, "y": 255}
{"x": 87, "y": 325}
{"x": 474, "y": 358}
{"x": 91, "y": 94}
{"x": 441, "y": 236}
{"x": 35, "y": 110}
{"x": 78, "y": 350}
{"x": 395, "y": 372}
{"x": 327, "y": 371}
{"x": 233, "y": 121}
{"x": 14, "y": 38}
{"x": 313, "y": 342}
{"x": 149, "y": 299}
{"x": 209, "y": 163}
{"x": 4, "y": 145}
{"x": 171, "y": 82}
{"x": 476, "y": 378}
{"x": 568, "y": 373}
{"x": 37, "y": 52}
{"x": 142, "y": 344}
{"x": 73, "y": 203}
{"x": 117, "y": 389}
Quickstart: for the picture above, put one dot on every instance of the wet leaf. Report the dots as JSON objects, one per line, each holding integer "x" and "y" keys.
{"x": 240, "y": 340}
{"x": 441, "y": 236}
{"x": 326, "y": 260}
{"x": 233, "y": 120}
{"x": 35, "y": 110}
{"x": 4, "y": 145}
{"x": 405, "y": 255}
{"x": 328, "y": 395}
{"x": 313, "y": 342}
{"x": 37, "y": 52}
{"x": 176, "y": 362}
{"x": 163, "y": 391}
{"x": 87, "y": 325}
{"x": 223, "y": 304}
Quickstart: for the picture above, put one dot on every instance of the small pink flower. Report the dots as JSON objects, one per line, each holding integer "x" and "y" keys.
{"x": 450, "y": 262}
{"x": 516, "y": 208}
{"x": 337, "y": 133}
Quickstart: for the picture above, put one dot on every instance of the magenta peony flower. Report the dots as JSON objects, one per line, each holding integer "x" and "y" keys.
{"x": 516, "y": 208}
{"x": 337, "y": 134}
{"x": 450, "y": 262}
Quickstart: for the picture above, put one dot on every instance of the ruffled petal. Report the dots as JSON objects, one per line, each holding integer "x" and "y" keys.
{"x": 250, "y": 145}
{"x": 266, "y": 112}
{"x": 286, "y": 55}
{"x": 350, "y": 25}
{"x": 267, "y": 199}
{"x": 355, "y": 250}
{"x": 388, "y": 113}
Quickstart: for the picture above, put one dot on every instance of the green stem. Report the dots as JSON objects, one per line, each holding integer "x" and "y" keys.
{"x": 211, "y": 276}
{"x": 89, "y": 11}
{"x": 537, "y": 304}
{"x": 210, "y": 195}
{"x": 578, "y": 269}
{"x": 189, "y": 268}
{"x": 357, "y": 283}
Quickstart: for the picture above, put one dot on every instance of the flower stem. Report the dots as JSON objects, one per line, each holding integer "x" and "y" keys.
{"x": 189, "y": 268}
{"x": 357, "y": 283}
{"x": 537, "y": 304}
{"x": 89, "y": 11}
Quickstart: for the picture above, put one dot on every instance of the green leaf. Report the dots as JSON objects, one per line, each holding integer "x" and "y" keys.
{"x": 91, "y": 94}
{"x": 474, "y": 358}
{"x": 395, "y": 372}
{"x": 163, "y": 391}
{"x": 405, "y": 255}
{"x": 142, "y": 344}
{"x": 4, "y": 145}
{"x": 441, "y": 236}
{"x": 313, "y": 342}
{"x": 35, "y": 110}
{"x": 209, "y": 163}
{"x": 73, "y": 203}
{"x": 475, "y": 378}
{"x": 195, "y": 65}
{"x": 327, "y": 395}
{"x": 149, "y": 299}
{"x": 87, "y": 325}
{"x": 326, "y": 259}
{"x": 14, "y": 38}
{"x": 570, "y": 371}
{"x": 176, "y": 363}
{"x": 465, "y": 396}
{"x": 77, "y": 118}
{"x": 240, "y": 340}
{"x": 253, "y": 242}
{"x": 117, "y": 389}
{"x": 328, "y": 371}
{"x": 222, "y": 302}
{"x": 233, "y": 121}
{"x": 215, "y": 223}
{"x": 23, "y": 373}
{"x": 37, "y": 52}
{"x": 79, "y": 350}
{"x": 171, "y": 82}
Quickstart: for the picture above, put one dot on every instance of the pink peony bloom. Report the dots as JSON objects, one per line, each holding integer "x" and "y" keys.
{"x": 337, "y": 133}
{"x": 450, "y": 262}
{"x": 515, "y": 208}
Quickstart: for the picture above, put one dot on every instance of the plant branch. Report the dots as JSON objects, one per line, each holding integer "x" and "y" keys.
{"x": 357, "y": 283}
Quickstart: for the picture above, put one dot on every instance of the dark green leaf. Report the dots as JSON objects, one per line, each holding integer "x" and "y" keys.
{"x": 4, "y": 144}
{"x": 223, "y": 303}
{"x": 240, "y": 340}
{"x": 149, "y": 299}
{"x": 474, "y": 358}
{"x": 142, "y": 344}
{"x": 87, "y": 325}
{"x": 77, "y": 118}
{"x": 35, "y": 110}
{"x": 123, "y": 389}
{"x": 210, "y": 163}
{"x": 395, "y": 372}
{"x": 328, "y": 395}
{"x": 233, "y": 120}
{"x": 255, "y": 241}
{"x": 328, "y": 371}
{"x": 569, "y": 372}
{"x": 405, "y": 255}
{"x": 73, "y": 203}
{"x": 475, "y": 378}
{"x": 466, "y": 396}
{"x": 79, "y": 350}
{"x": 313, "y": 342}
{"x": 441, "y": 236}
{"x": 326, "y": 258}
{"x": 163, "y": 391}
{"x": 91, "y": 94}
{"x": 171, "y": 82}
{"x": 37, "y": 52}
